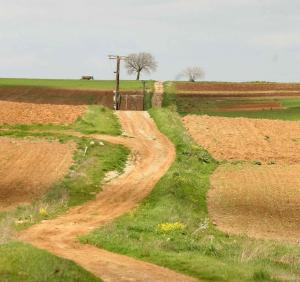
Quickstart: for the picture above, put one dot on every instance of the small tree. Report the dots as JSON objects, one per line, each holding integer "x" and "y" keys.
{"x": 193, "y": 73}
{"x": 141, "y": 62}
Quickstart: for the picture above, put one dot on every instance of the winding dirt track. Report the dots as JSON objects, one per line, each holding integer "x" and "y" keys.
{"x": 154, "y": 154}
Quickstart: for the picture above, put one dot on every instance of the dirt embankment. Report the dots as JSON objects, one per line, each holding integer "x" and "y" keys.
{"x": 259, "y": 198}
{"x": 131, "y": 100}
{"x": 41, "y": 105}
{"x": 153, "y": 154}
{"x": 29, "y": 168}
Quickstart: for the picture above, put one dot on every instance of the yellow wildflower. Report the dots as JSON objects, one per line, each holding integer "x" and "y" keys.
{"x": 169, "y": 227}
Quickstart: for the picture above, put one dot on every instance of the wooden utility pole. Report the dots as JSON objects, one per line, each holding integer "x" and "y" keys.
{"x": 117, "y": 96}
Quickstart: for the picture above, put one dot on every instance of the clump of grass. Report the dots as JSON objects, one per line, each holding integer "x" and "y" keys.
{"x": 21, "y": 262}
{"x": 98, "y": 119}
{"x": 169, "y": 227}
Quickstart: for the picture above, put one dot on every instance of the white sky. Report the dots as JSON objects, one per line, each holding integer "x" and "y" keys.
{"x": 234, "y": 40}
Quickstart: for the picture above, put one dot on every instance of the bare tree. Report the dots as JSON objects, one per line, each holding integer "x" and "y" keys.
{"x": 193, "y": 73}
{"x": 141, "y": 62}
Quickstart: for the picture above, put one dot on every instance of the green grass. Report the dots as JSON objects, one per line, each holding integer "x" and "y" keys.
{"x": 198, "y": 249}
{"x": 292, "y": 114}
{"x": 71, "y": 83}
{"x": 148, "y": 94}
{"x": 169, "y": 94}
{"x": 20, "y": 262}
{"x": 98, "y": 119}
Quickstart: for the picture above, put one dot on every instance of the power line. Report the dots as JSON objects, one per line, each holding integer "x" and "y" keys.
{"x": 117, "y": 96}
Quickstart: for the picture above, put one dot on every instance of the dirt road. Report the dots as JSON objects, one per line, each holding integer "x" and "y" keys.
{"x": 153, "y": 154}
{"x": 158, "y": 94}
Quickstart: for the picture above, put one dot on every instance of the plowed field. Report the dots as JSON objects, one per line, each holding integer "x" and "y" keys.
{"x": 29, "y": 168}
{"x": 258, "y": 200}
{"x": 247, "y": 139}
{"x": 29, "y": 113}
{"x": 261, "y": 201}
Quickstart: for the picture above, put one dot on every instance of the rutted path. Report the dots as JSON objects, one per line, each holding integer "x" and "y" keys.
{"x": 158, "y": 94}
{"x": 153, "y": 155}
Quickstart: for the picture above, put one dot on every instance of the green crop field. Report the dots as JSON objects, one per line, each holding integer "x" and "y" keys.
{"x": 71, "y": 83}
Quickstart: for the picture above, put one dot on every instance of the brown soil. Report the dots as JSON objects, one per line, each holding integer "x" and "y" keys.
{"x": 261, "y": 201}
{"x": 29, "y": 168}
{"x": 153, "y": 154}
{"x": 158, "y": 94}
{"x": 29, "y": 113}
{"x": 247, "y": 139}
{"x": 132, "y": 100}
{"x": 251, "y": 107}
{"x": 183, "y": 86}
{"x": 224, "y": 94}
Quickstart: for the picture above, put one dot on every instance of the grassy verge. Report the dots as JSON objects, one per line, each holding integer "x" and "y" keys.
{"x": 148, "y": 94}
{"x": 169, "y": 98}
{"x": 171, "y": 226}
{"x": 71, "y": 83}
{"x": 98, "y": 119}
{"x": 20, "y": 262}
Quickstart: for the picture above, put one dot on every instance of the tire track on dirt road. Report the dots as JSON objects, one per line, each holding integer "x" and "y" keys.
{"x": 154, "y": 154}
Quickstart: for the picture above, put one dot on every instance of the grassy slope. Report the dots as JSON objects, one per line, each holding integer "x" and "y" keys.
{"x": 198, "y": 249}
{"x": 91, "y": 162}
{"x": 20, "y": 262}
{"x": 71, "y": 83}
{"x": 98, "y": 119}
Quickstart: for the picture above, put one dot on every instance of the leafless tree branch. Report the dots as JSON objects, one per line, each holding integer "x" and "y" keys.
{"x": 140, "y": 62}
{"x": 193, "y": 73}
